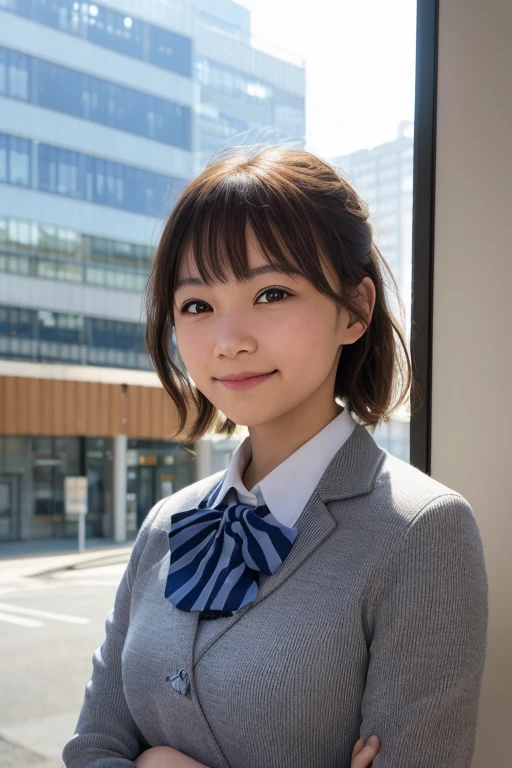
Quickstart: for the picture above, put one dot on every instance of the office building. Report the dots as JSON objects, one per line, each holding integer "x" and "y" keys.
{"x": 383, "y": 177}
{"x": 107, "y": 110}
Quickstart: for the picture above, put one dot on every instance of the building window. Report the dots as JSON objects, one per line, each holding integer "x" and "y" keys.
{"x": 111, "y": 29}
{"x": 90, "y": 98}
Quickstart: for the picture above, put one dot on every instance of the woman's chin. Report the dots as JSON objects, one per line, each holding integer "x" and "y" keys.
{"x": 249, "y": 418}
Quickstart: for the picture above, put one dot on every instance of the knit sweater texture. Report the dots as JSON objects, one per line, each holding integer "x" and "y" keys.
{"x": 375, "y": 623}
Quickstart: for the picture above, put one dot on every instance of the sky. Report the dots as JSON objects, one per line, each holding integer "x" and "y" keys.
{"x": 360, "y": 65}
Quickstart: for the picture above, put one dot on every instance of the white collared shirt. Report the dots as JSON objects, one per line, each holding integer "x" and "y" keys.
{"x": 289, "y": 486}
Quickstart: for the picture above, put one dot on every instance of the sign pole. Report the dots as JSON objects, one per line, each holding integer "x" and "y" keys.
{"x": 81, "y": 532}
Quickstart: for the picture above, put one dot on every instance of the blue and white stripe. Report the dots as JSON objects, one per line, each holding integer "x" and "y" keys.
{"x": 217, "y": 551}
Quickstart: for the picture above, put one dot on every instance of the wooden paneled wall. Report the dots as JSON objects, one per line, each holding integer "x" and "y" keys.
{"x": 30, "y": 406}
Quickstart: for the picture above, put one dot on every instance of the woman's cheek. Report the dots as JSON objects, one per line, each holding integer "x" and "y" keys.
{"x": 191, "y": 348}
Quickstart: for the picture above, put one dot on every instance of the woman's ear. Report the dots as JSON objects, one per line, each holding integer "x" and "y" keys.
{"x": 365, "y": 298}
{"x": 368, "y": 294}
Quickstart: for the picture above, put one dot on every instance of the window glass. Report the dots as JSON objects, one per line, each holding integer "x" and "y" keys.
{"x": 66, "y": 173}
{"x": 82, "y": 95}
{"x": 59, "y": 335}
{"x": 3, "y": 157}
{"x": 18, "y": 75}
{"x": 276, "y": 76}
{"x": 3, "y": 68}
{"x": 259, "y": 74}
{"x": 112, "y": 29}
{"x": 19, "y": 161}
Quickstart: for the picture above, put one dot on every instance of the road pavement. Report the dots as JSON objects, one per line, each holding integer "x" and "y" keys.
{"x": 52, "y": 618}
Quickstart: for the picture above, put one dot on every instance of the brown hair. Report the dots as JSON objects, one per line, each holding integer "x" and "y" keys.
{"x": 299, "y": 207}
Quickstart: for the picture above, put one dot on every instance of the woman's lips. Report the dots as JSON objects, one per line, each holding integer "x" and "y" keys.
{"x": 246, "y": 383}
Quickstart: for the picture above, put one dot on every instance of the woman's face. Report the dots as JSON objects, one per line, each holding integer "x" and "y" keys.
{"x": 272, "y": 323}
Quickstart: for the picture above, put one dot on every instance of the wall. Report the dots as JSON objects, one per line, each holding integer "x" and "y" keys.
{"x": 62, "y": 407}
{"x": 472, "y": 360}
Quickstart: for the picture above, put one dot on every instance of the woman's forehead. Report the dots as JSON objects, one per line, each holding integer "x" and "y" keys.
{"x": 255, "y": 258}
{"x": 227, "y": 265}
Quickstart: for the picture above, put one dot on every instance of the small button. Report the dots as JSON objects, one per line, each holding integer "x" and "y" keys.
{"x": 180, "y": 681}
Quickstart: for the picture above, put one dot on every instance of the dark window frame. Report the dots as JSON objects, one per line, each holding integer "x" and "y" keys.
{"x": 424, "y": 160}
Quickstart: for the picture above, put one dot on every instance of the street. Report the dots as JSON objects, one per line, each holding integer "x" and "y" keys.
{"x": 49, "y": 628}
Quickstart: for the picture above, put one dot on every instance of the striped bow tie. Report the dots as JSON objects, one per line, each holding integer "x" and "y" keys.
{"x": 217, "y": 552}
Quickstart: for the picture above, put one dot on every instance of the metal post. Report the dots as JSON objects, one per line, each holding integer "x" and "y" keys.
{"x": 120, "y": 486}
{"x": 81, "y": 532}
{"x": 203, "y": 464}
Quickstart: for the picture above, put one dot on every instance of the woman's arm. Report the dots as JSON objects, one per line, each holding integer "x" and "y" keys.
{"x": 167, "y": 757}
{"x": 106, "y": 735}
{"x": 429, "y": 642}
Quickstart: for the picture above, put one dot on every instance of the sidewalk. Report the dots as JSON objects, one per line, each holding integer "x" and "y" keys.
{"x": 48, "y": 547}
{"x": 38, "y": 742}
{"x": 19, "y": 559}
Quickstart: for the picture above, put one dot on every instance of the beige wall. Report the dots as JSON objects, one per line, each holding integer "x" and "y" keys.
{"x": 472, "y": 365}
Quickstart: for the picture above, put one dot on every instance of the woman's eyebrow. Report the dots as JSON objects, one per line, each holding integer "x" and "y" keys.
{"x": 254, "y": 272}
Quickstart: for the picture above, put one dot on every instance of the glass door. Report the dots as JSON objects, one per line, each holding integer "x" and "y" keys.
{"x": 146, "y": 493}
{"x": 9, "y": 511}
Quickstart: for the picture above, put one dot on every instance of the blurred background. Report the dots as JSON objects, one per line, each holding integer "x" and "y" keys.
{"x": 107, "y": 110}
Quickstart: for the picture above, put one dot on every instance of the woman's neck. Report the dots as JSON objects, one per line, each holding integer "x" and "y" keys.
{"x": 272, "y": 443}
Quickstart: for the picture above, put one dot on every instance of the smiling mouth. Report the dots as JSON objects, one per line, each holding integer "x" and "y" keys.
{"x": 242, "y": 384}
{"x": 245, "y": 378}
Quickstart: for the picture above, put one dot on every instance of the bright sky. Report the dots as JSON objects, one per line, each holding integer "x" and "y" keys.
{"x": 360, "y": 65}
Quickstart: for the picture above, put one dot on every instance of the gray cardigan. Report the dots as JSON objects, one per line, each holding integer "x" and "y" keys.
{"x": 375, "y": 623}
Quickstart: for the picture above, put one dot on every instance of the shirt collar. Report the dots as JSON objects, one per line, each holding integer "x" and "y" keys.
{"x": 288, "y": 487}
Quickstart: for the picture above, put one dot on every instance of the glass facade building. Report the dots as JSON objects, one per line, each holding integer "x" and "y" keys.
{"x": 383, "y": 177}
{"x": 40, "y": 82}
{"x": 34, "y": 469}
{"x": 105, "y": 115}
{"x": 111, "y": 29}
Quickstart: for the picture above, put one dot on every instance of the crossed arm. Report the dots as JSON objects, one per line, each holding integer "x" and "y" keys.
{"x": 426, "y": 656}
{"x": 167, "y": 757}
{"x": 428, "y": 644}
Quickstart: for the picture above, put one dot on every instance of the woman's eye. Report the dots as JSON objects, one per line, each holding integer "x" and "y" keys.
{"x": 274, "y": 291}
{"x": 191, "y": 304}
{"x": 275, "y": 295}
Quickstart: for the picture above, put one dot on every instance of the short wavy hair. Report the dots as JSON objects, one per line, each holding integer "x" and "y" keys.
{"x": 299, "y": 206}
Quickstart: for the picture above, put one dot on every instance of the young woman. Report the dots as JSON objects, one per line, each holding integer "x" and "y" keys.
{"x": 320, "y": 590}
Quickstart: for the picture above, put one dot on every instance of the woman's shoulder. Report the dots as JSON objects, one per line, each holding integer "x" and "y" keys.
{"x": 406, "y": 492}
{"x": 414, "y": 519}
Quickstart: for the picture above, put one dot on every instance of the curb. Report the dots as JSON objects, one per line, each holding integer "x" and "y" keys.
{"x": 12, "y": 569}
{"x": 119, "y": 555}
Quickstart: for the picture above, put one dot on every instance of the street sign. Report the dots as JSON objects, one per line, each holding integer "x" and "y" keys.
{"x": 75, "y": 491}
{"x": 75, "y": 501}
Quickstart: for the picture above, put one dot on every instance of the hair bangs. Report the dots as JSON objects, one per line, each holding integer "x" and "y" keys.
{"x": 225, "y": 217}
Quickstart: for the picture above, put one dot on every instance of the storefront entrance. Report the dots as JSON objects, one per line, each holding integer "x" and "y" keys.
{"x": 156, "y": 469}
{"x": 32, "y": 479}
{"x": 147, "y": 492}
{"x": 9, "y": 507}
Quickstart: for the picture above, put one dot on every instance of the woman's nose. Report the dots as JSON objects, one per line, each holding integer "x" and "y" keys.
{"x": 232, "y": 337}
